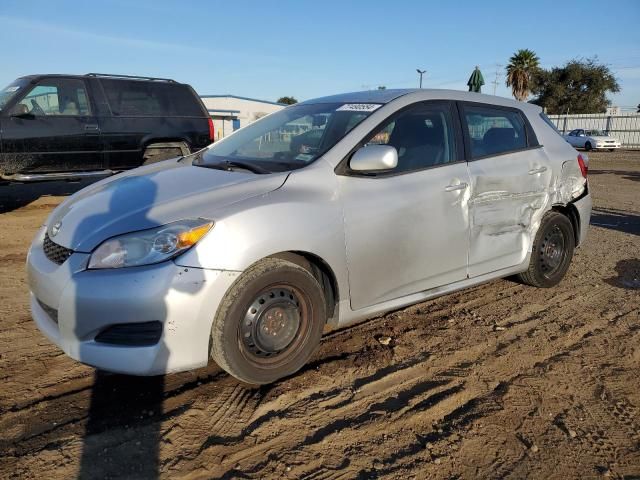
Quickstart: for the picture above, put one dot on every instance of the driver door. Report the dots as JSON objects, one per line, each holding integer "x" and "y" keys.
{"x": 53, "y": 129}
{"x": 407, "y": 229}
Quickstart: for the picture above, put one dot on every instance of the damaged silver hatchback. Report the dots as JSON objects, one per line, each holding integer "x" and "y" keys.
{"x": 319, "y": 215}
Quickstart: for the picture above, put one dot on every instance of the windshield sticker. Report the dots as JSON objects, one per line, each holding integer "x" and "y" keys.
{"x": 304, "y": 157}
{"x": 11, "y": 89}
{"x": 359, "y": 107}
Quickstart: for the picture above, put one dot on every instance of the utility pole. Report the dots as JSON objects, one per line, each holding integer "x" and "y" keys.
{"x": 420, "y": 72}
{"x": 495, "y": 82}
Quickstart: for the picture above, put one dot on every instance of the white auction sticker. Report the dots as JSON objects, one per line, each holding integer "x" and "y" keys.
{"x": 359, "y": 107}
{"x": 11, "y": 89}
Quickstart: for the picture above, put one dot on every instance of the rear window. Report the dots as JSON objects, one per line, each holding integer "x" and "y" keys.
{"x": 493, "y": 131}
{"x": 151, "y": 99}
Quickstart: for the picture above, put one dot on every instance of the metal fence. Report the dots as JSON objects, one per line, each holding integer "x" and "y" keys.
{"x": 625, "y": 127}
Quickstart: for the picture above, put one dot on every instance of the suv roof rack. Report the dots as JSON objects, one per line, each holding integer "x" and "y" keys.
{"x": 136, "y": 77}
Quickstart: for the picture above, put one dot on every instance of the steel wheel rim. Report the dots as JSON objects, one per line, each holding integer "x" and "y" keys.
{"x": 553, "y": 251}
{"x": 275, "y": 326}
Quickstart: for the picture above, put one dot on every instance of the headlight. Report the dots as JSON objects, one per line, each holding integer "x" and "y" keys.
{"x": 149, "y": 246}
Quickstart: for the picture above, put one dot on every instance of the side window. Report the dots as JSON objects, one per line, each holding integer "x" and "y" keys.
{"x": 131, "y": 98}
{"x": 423, "y": 136}
{"x": 493, "y": 131}
{"x": 151, "y": 99}
{"x": 52, "y": 97}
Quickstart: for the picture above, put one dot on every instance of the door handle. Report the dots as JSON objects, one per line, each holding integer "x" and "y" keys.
{"x": 91, "y": 127}
{"x": 453, "y": 188}
{"x": 535, "y": 171}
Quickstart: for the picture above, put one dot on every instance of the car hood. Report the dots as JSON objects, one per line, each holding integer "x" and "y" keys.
{"x": 148, "y": 197}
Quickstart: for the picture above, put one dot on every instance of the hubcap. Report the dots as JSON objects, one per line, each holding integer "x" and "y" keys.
{"x": 552, "y": 251}
{"x": 272, "y": 322}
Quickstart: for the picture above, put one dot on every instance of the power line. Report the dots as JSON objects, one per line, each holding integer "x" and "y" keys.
{"x": 495, "y": 82}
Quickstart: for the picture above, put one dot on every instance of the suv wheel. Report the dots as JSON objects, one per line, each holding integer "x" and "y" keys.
{"x": 156, "y": 152}
{"x": 552, "y": 251}
{"x": 269, "y": 323}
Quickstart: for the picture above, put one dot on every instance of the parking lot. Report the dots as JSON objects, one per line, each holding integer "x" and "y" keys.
{"x": 500, "y": 381}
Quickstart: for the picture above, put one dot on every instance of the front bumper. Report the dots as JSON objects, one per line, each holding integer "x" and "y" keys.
{"x": 85, "y": 302}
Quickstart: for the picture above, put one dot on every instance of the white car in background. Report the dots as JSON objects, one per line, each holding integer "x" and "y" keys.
{"x": 592, "y": 140}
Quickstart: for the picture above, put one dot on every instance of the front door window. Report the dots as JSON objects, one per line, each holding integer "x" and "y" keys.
{"x": 53, "y": 97}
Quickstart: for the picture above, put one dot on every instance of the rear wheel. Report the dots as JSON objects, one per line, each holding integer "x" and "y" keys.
{"x": 157, "y": 152}
{"x": 588, "y": 147}
{"x": 552, "y": 251}
{"x": 269, "y": 322}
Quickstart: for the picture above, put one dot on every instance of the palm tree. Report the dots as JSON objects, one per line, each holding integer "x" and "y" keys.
{"x": 522, "y": 66}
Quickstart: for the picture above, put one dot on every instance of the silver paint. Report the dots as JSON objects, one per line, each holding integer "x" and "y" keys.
{"x": 388, "y": 242}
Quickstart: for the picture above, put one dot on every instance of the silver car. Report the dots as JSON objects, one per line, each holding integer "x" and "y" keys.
{"x": 319, "y": 215}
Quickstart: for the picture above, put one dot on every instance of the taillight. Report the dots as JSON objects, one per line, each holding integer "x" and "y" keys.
{"x": 211, "y": 132}
{"x": 584, "y": 169}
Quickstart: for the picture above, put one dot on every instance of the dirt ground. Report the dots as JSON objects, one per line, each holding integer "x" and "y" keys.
{"x": 499, "y": 381}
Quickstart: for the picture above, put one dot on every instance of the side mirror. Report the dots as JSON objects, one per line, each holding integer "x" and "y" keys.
{"x": 374, "y": 157}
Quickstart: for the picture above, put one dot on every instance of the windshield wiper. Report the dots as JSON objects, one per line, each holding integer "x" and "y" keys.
{"x": 231, "y": 164}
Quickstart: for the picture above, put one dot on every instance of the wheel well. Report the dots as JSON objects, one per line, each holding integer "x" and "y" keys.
{"x": 323, "y": 273}
{"x": 165, "y": 143}
{"x": 571, "y": 213}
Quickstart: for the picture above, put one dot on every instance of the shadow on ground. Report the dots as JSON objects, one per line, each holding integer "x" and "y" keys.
{"x": 614, "y": 219}
{"x": 628, "y": 274}
{"x": 627, "y": 175}
{"x": 18, "y": 195}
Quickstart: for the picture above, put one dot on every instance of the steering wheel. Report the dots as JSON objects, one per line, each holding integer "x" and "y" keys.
{"x": 37, "y": 109}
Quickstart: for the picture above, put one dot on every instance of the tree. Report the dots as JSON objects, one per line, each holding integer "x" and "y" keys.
{"x": 580, "y": 86}
{"x": 287, "y": 100}
{"x": 382, "y": 87}
{"x": 521, "y": 70}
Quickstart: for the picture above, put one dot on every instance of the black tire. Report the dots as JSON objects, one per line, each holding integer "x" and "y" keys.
{"x": 157, "y": 152}
{"x": 612, "y": 149}
{"x": 588, "y": 147}
{"x": 552, "y": 252}
{"x": 269, "y": 322}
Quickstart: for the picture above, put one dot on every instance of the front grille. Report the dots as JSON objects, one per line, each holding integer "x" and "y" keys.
{"x": 54, "y": 252}
{"x": 52, "y": 312}
{"x": 142, "y": 334}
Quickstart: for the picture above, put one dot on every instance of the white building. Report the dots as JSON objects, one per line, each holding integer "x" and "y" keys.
{"x": 230, "y": 112}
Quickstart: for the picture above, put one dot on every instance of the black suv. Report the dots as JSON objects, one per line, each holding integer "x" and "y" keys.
{"x": 72, "y": 126}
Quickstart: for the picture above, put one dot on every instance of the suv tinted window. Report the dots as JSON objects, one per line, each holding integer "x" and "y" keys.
{"x": 423, "y": 136}
{"x": 494, "y": 130}
{"x": 137, "y": 98}
{"x": 56, "y": 97}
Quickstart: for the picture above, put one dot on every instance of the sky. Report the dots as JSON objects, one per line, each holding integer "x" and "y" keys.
{"x": 268, "y": 49}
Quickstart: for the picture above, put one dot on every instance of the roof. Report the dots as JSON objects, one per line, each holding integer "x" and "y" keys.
{"x": 244, "y": 98}
{"x": 420, "y": 94}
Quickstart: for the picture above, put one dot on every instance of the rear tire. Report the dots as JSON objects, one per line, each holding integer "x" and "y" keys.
{"x": 588, "y": 147}
{"x": 269, "y": 322}
{"x": 552, "y": 252}
{"x": 157, "y": 152}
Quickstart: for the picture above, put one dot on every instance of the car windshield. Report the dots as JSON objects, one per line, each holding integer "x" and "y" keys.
{"x": 288, "y": 139}
{"x": 596, "y": 133}
{"x": 10, "y": 90}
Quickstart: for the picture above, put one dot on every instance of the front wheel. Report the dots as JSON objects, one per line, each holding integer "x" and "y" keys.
{"x": 269, "y": 322}
{"x": 552, "y": 252}
{"x": 588, "y": 147}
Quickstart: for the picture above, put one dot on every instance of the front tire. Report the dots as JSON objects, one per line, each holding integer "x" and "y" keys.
{"x": 552, "y": 252}
{"x": 269, "y": 322}
{"x": 588, "y": 147}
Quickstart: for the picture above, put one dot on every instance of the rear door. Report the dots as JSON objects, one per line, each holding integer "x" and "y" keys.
{"x": 406, "y": 230}
{"x": 53, "y": 128}
{"x": 510, "y": 182}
